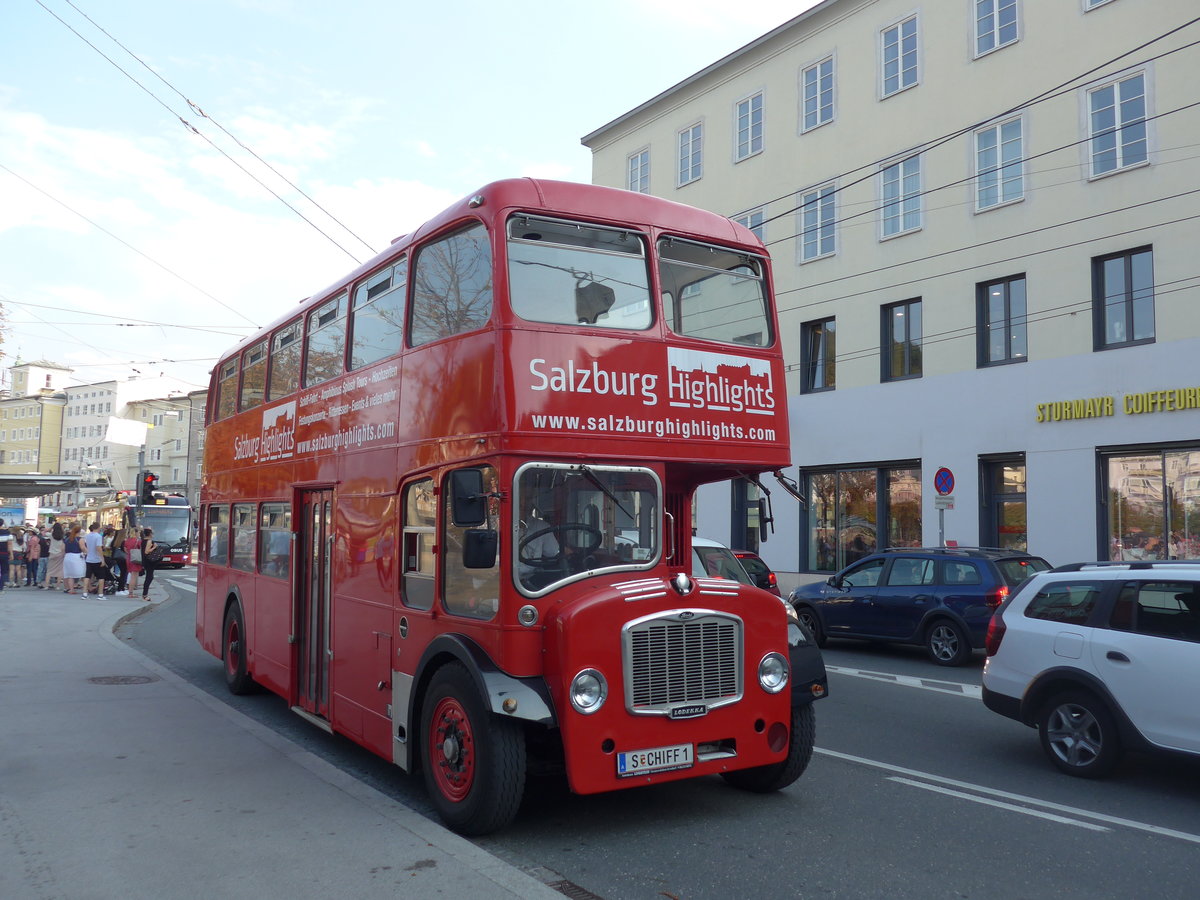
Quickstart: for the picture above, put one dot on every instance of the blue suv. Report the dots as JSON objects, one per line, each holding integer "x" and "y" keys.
{"x": 940, "y": 598}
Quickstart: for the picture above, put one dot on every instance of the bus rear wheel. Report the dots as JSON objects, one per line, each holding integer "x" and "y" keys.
{"x": 473, "y": 761}
{"x": 233, "y": 652}
{"x": 775, "y": 777}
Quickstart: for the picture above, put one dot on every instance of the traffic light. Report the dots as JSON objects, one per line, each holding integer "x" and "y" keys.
{"x": 149, "y": 483}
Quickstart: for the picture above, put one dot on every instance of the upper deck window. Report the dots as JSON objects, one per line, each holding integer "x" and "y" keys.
{"x": 254, "y": 375}
{"x": 326, "y": 341}
{"x": 377, "y": 320}
{"x": 227, "y": 386}
{"x": 714, "y": 293}
{"x": 568, "y": 273}
{"x": 285, "y": 361}
{"x": 452, "y": 286}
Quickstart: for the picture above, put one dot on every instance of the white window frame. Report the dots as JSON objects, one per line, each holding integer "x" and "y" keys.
{"x": 1089, "y": 5}
{"x": 754, "y": 220}
{"x": 640, "y": 159}
{"x": 691, "y": 138}
{"x": 813, "y": 206}
{"x": 898, "y": 27}
{"x": 804, "y": 99}
{"x": 1086, "y": 95}
{"x": 745, "y": 149}
{"x": 900, "y": 165}
{"x": 996, "y": 5}
{"x": 999, "y": 169}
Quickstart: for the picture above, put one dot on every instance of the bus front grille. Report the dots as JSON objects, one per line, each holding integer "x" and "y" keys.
{"x": 682, "y": 657}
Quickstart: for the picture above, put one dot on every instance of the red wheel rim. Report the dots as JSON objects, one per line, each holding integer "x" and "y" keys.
{"x": 452, "y": 749}
{"x": 233, "y": 647}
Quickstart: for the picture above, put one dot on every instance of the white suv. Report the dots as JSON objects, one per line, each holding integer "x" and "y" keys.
{"x": 1100, "y": 657}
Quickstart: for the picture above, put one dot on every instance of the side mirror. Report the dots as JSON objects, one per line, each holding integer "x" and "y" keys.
{"x": 479, "y": 548}
{"x": 833, "y": 581}
{"x": 468, "y": 499}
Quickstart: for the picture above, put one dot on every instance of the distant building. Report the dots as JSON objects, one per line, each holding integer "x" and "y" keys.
{"x": 982, "y": 217}
{"x": 31, "y": 414}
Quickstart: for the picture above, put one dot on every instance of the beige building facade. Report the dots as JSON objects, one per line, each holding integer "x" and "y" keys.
{"x": 982, "y": 219}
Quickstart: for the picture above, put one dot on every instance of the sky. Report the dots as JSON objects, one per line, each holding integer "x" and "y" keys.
{"x": 150, "y": 150}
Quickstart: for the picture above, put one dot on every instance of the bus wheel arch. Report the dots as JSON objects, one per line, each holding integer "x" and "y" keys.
{"x": 472, "y": 760}
{"x": 233, "y": 643}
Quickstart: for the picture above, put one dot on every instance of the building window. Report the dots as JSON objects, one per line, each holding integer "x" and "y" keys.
{"x": 998, "y": 154}
{"x": 900, "y": 189}
{"x": 639, "y": 172}
{"x": 901, "y": 342}
{"x": 1003, "y": 515}
{"x": 817, "y": 223}
{"x": 749, "y": 127}
{"x": 1123, "y": 298}
{"x": 691, "y": 160}
{"x": 1092, "y": 4}
{"x": 899, "y": 47}
{"x": 1117, "y": 124}
{"x": 818, "y": 356}
{"x": 846, "y": 507}
{"x": 1002, "y": 315}
{"x": 754, "y": 221}
{"x": 817, "y": 93}
{"x": 1153, "y": 508}
{"x": 995, "y": 24}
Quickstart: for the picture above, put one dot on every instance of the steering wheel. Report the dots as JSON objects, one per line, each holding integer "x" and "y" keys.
{"x": 595, "y": 536}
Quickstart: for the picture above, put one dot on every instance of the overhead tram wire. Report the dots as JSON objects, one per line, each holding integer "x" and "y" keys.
{"x": 128, "y": 245}
{"x": 194, "y": 130}
{"x": 226, "y": 132}
{"x": 130, "y": 322}
{"x": 946, "y": 138}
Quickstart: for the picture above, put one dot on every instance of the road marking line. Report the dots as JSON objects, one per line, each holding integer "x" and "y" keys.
{"x": 1063, "y": 820}
{"x": 972, "y": 691}
{"x": 1020, "y": 798}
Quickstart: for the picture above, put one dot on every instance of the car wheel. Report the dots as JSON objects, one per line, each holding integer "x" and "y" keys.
{"x": 774, "y": 777}
{"x": 1079, "y": 734}
{"x": 947, "y": 644}
{"x": 809, "y": 620}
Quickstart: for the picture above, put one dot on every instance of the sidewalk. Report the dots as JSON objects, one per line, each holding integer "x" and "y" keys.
{"x": 120, "y": 780}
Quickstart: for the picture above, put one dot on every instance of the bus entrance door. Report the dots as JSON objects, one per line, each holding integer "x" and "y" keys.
{"x": 313, "y": 590}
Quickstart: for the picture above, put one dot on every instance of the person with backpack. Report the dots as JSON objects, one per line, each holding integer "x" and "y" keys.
{"x": 152, "y": 555}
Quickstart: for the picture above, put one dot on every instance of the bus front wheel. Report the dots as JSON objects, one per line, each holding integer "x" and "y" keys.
{"x": 233, "y": 651}
{"x": 473, "y": 761}
{"x": 774, "y": 777}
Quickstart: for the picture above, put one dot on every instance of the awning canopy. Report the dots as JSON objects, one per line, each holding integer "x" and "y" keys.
{"x": 14, "y": 486}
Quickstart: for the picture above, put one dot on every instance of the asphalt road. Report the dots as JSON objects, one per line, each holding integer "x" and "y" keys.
{"x": 916, "y": 790}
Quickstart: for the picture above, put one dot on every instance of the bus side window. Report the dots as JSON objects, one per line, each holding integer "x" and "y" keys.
{"x": 285, "y": 361}
{"x": 419, "y": 528}
{"x": 244, "y": 538}
{"x": 218, "y": 535}
{"x": 468, "y": 592}
{"x": 227, "y": 391}
{"x": 376, "y": 322}
{"x": 326, "y": 341}
{"x": 254, "y": 376}
{"x": 452, "y": 286}
{"x": 275, "y": 540}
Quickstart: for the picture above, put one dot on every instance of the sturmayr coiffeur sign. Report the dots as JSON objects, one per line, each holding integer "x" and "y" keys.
{"x": 1171, "y": 400}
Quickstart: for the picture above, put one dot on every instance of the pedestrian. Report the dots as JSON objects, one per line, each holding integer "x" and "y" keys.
{"x": 133, "y": 559}
{"x": 16, "y": 562}
{"x": 118, "y": 562}
{"x": 93, "y": 582}
{"x": 151, "y": 555}
{"x": 54, "y": 564}
{"x": 33, "y": 556}
{"x": 39, "y": 577}
{"x": 74, "y": 567}
{"x": 5, "y": 549}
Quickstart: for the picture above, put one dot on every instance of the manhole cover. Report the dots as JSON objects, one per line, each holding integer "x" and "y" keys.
{"x": 122, "y": 679}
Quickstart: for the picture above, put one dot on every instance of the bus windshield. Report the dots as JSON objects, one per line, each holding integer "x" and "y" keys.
{"x": 713, "y": 293}
{"x": 569, "y": 273}
{"x": 171, "y": 524}
{"x": 575, "y": 520}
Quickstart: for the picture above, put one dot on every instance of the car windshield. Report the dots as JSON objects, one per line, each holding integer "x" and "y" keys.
{"x": 1017, "y": 571}
{"x": 718, "y": 562}
{"x": 574, "y": 521}
{"x": 570, "y": 273}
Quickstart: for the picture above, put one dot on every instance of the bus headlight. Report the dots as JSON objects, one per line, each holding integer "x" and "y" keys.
{"x": 773, "y": 673}
{"x": 588, "y": 691}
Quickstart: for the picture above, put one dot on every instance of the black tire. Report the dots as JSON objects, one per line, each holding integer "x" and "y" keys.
{"x": 1079, "y": 734}
{"x": 473, "y": 760}
{"x": 946, "y": 643}
{"x": 808, "y": 618}
{"x": 765, "y": 779}
{"x": 233, "y": 642}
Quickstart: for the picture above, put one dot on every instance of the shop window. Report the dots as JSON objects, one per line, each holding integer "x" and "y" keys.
{"x": 855, "y": 511}
{"x": 1153, "y": 504}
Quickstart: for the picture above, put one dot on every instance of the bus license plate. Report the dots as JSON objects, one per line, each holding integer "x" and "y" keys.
{"x": 660, "y": 759}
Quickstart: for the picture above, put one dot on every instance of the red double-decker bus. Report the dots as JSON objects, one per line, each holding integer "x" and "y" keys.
{"x": 447, "y": 503}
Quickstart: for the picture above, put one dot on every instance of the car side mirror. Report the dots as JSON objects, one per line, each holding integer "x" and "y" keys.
{"x": 834, "y": 581}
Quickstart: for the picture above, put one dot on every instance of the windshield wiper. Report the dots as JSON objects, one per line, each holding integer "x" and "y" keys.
{"x": 594, "y": 479}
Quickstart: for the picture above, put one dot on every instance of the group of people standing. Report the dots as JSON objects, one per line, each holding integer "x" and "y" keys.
{"x": 67, "y": 559}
